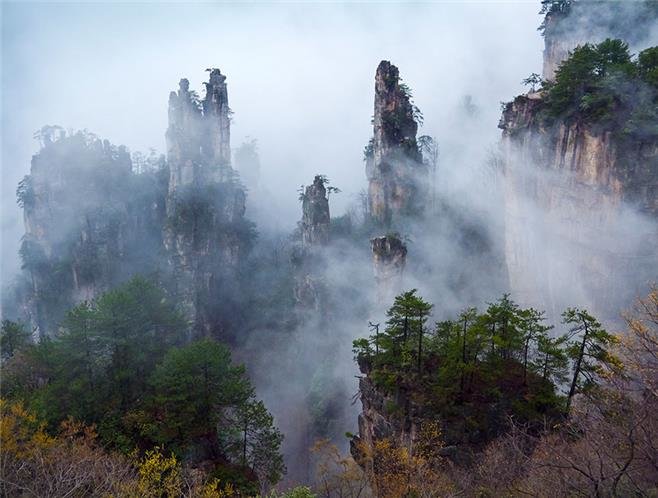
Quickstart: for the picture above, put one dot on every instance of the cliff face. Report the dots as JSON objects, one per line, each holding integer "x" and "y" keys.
{"x": 206, "y": 232}
{"x": 579, "y": 205}
{"x": 581, "y": 195}
{"x": 616, "y": 170}
{"x": 377, "y": 421}
{"x": 401, "y": 416}
{"x": 558, "y": 41}
{"x": 394, "y": 167}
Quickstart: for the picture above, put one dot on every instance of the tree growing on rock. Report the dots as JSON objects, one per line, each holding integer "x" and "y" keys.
{"x": 532, "y": 81}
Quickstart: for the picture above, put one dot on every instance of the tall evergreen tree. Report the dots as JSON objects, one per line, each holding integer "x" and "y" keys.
{"x": 406, "y": 326}
{"x": 589, "y": 350}
{"x": 192, "y": 387}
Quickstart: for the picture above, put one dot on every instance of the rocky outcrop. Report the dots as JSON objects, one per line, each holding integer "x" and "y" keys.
{"x": 615, "y": 170}
{"x": 206, "y": 232}
{"x": 381, "y": 419}
{"x": 389, "y": 255}
{"x": 397, "y": 177}
{"x": 373, "y": 427}
{"x": 398, "y": 419}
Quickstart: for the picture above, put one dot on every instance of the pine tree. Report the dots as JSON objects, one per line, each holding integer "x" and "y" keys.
{"x": 406, "y": 327}
{"x": 532, "y": 329}
{"x": 589, "y": 351}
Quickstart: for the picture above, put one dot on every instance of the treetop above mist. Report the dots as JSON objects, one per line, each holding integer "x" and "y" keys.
{"x": 504, "y": 357}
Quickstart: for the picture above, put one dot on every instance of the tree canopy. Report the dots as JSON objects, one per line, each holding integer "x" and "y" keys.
{"x": 505, "y": 356}
{"x": 602, "y": 84}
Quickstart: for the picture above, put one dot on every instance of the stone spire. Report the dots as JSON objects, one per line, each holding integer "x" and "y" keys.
{"x": 198, "y": 136}
{"x": 204, "y": 233}
{"x": 394, "y": 164}
{"x": 218, "y": 121}
{"x": 182, "y": 136}
{"x": 315, "y": 214}
{"x": 308, "y": 258}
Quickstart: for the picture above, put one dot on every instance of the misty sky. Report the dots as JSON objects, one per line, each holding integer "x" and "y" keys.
{"x": 300, "y": 79}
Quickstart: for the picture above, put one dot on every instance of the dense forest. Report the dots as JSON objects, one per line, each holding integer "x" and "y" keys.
{"x": 122, "y": 403}
{"x": 124, "y": 365}
{"x": 165, "y": 338}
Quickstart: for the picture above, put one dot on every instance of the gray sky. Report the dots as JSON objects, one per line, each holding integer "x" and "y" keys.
{"x": 300, "y": 78}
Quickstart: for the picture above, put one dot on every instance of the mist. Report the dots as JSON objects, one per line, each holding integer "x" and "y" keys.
{"x": 300, "y": 79}
{"x": 300, "y": 82}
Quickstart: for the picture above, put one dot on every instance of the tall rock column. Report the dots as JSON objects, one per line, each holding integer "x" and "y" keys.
{"x": 315, "y": 214}
{"x": 394, "y": 167}
{"x": 198, "y": 137}
{"x": 308, "y": 258}
{"x": 206, "y": 232}
{"x": 397, "y": 176}
{"x": 217, "y": 144}
{"x": 183, "y": 137}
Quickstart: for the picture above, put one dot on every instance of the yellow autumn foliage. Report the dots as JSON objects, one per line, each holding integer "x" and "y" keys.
{"x": 35, "y": 463}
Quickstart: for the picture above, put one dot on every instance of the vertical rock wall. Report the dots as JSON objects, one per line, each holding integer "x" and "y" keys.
{"x": 559, "y": 40}
{"x": 580, "y": 212}
{"x": 581, "y": 201}
{"x": 574, "y": 22}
